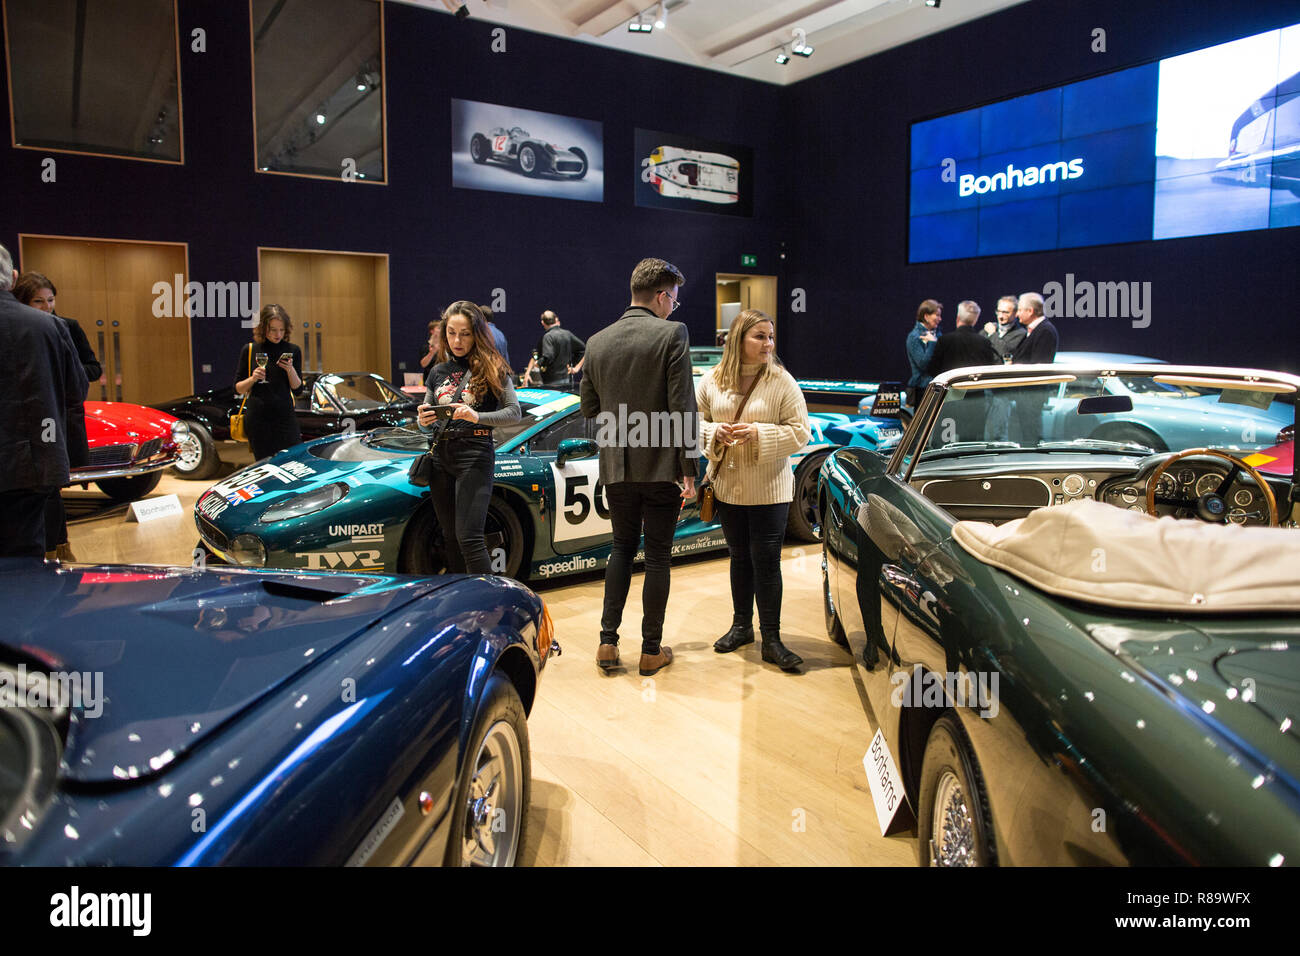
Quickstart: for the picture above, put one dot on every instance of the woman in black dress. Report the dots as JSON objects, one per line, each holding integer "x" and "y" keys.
{"x": 269, "y": 419}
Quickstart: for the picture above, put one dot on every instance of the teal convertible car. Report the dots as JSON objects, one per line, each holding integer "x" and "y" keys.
{"x": 344, "y": 502}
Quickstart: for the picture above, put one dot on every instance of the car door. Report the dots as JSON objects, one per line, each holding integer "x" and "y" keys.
{"x": 577, "y": 510}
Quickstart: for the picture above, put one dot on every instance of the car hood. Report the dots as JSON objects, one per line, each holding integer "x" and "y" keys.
{"x": 203, "y": 646}
{"x": 1239, "y": 675}
{"x": 110, "y": 422}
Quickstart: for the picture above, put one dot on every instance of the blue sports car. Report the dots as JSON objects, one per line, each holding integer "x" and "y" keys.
{"x": 153, "y": 716}
{"x": 344, "y": 502}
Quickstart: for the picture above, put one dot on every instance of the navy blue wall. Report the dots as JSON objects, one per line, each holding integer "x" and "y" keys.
{"x": 1227, "y": 299}
{"x": 444, "y": 243}
{"x": 831, "y": 157}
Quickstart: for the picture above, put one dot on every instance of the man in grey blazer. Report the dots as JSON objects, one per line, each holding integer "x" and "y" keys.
{"x": 638, "y": 386}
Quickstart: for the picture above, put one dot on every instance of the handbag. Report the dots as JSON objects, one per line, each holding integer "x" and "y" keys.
{"x": 421, "y": 469}
{"x": 237, "y": 432}
{"x": 708, "y": 501}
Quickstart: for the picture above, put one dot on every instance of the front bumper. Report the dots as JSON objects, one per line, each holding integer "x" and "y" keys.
{"x": 83, "y": 476}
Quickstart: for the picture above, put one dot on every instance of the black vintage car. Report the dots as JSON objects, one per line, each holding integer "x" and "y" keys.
{"x": 332, "y": 403}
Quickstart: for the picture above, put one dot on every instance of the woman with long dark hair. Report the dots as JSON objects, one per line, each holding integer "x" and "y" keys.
{"x": 270, "y": 374}
{"x": 752, "y": 419}
{"x": 465, "y": 398}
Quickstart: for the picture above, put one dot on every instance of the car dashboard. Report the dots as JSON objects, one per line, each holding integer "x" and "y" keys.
{"x": 998, "y": 488}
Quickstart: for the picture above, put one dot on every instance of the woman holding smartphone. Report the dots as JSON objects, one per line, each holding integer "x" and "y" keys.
{"x": 465, "y": 398}
{"x": 270, "y": 374}
{"x": 752, "y": 419}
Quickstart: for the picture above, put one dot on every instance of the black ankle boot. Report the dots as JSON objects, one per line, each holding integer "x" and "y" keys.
{"x": 774, "y": 652}
{"x": 738, "y": 636}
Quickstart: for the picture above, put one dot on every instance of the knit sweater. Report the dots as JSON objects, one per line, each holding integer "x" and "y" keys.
{"x": 762, "y": 474}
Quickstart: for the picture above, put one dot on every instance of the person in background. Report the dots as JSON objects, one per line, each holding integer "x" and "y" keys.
{"x": 920, "y": 346}
{"x": 42, "y": 417}
{"x": 753, "y": 484}
{"x": 433, "y": 355}
{"x": 269, "y": 417}
{"x": 498, "y": 337}
{"x": 639, "y": 369}
{"x": 1005, "y": 337}
{"x": 38, "y": 291}
{"x": 560, "y": 353}
{"x": 475, "y": 382}
{"x": 1038, "y": 348}
{"x": 1007, "y": 333}
{"x": 965, "y": 346}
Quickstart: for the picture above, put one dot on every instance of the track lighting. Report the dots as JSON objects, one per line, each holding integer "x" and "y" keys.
{"x": 800, "y": 45}
{"x": 933, "y": 3}
{"x": 639, "y": 25}
{"x": 662, "y": 20}
{"x": 782, "y": 57}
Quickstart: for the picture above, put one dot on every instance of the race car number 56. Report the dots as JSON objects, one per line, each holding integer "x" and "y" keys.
{"x": 582, "y": 511}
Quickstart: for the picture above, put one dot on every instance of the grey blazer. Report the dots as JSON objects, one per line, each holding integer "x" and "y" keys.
{"x": 637, "y": 385}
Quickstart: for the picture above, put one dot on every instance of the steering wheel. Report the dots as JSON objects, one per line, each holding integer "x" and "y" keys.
{"x": 1211, "y": 506}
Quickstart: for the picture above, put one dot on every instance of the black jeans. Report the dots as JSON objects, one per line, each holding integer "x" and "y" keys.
{"x": 654, "y": 505}
{"x": 460, "y": 488}
{"x": 22, "y": 523}
{"x": 754, "y": 535}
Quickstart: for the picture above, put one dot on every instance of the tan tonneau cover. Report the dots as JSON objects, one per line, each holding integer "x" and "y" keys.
{"x": 1102, "y": 554}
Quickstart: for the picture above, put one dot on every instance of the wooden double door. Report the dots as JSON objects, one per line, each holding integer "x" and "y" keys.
{"x": 109, "y": 288}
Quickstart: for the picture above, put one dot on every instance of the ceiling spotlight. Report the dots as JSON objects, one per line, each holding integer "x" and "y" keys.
{"x": 639, "y": 25}
{"x": 933, "y": 3}
{"x": 320, "y": 118}
{"x": 782, "y": 57}
{"x": 804, "y": 50}
{"x": 662, "y": 20}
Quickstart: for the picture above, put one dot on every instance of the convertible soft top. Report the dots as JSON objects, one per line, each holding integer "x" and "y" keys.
{"x": 1095, "y": 552}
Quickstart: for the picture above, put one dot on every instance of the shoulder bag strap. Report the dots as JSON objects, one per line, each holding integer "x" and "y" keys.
{"x": 250, "y": 375}
{"x": 713, "y": 469}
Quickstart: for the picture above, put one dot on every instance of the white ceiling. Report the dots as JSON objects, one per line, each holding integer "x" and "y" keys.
{"x": 736, "y": 36}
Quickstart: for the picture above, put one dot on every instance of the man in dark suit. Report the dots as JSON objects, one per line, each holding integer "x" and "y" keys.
{"x": 42, "y": 416}
{"x": 637, "y": 385}
{"x": 1006, "y": 335}
{"x": 965, "y": 347}
{"x": 1038, "y": 348}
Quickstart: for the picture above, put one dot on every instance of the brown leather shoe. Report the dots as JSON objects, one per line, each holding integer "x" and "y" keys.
{"x": 607, "y": 656}
{"x": 653, "y": 663}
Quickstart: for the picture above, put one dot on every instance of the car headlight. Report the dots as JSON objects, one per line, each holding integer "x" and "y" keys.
{"x": 180, "y": 431}
{"x": 247, "y": 550}
{"x": 306, "y": 503}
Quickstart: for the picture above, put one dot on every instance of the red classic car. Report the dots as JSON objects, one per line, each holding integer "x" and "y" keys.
{"x": 130, "y": 445}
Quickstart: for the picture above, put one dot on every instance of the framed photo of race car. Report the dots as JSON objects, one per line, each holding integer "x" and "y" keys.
{"x": 693, "y": 175}
{"x": 505, "y": 149}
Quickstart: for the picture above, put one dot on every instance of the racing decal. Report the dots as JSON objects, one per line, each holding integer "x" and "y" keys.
{"x": 378, "y": 833}
{"x": 581, "y": 510}
{"x": 575, "y": 563}
{"x": 257, "y": 476}
{"x": 211, "y": 505}
{"x": 357, "y": 532}
{"x": 347, "y": 560}
{"x": 499, "y": 143}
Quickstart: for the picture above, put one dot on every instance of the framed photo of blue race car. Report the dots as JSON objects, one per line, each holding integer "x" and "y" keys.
{"x": 344, "y": 502}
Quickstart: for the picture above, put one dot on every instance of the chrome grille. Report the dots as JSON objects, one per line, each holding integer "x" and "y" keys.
{"x": 210, "y": 532}
{"x": 150, "y": 448}
{"x": 111, "y": 455}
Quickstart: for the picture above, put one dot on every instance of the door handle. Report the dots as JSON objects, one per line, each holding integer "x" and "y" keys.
{"x": 106, "y": 368}
{"x": 898, "y": 579}
{"x": 117, "y": 364}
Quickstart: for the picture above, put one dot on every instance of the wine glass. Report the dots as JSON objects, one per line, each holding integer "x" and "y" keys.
{"x": 261, "y": 358}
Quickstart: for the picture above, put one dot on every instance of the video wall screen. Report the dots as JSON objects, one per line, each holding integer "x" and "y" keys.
{"x": 1205, "y": 142}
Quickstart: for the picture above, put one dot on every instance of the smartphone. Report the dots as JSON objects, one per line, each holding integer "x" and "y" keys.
{"x": 444, "y": 412}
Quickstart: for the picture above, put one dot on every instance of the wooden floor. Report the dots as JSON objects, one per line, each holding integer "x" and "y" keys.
{"x": 718, "y": 760}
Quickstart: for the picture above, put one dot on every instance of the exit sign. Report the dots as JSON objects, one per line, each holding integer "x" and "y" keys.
{"x": 749, "y": 260}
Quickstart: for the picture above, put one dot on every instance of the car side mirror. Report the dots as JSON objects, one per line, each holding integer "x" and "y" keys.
{"x": 1104, "y": 404}
{"x": 572, "y": 448}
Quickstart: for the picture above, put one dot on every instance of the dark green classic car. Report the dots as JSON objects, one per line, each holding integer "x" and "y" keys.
{"x": 1076, "y": 651}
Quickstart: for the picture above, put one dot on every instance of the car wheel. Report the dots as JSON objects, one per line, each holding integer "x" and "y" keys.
{"x": 423, "y": 550}
{"x": 198, "y": 455}
{"x": 132, "y": 488}
{"x": 803, "y": 520}
{"x": 479, "y": 148}
{"x": 585, "y": 165}
{"x": 953, "y": 821}
{"x": 834, "y": 629}
{"x": 1134, "y": 433}
{"x": 528, "y": 160}
{"x": 490, "y": 807}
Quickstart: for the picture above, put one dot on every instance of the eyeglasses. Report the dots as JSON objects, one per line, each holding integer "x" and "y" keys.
{"x": 675, "y": 303}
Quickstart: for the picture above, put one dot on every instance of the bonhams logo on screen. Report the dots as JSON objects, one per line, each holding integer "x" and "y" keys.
{"x": 1013, "y": 178}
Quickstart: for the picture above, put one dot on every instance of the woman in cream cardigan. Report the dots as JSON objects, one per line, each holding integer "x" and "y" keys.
{"x": 749, "y": 462}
